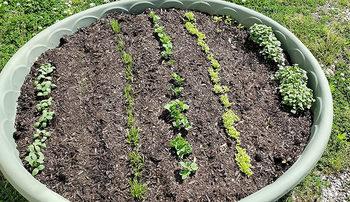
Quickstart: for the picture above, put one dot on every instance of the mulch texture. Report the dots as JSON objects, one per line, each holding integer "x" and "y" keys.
{"x": 87, "y": 157}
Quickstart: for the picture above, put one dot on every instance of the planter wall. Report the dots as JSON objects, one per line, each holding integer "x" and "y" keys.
{"x": 13, "y": 74}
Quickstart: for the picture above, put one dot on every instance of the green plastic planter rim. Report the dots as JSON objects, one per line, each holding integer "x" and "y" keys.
{"x": 13, "y": 74}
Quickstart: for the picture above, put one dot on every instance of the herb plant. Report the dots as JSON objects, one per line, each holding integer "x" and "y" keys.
{"x": 264, "y": 36}
{"x": 189, "y": 168}
{"x": 295, "y": 93}
{"x": 182, "y": 147}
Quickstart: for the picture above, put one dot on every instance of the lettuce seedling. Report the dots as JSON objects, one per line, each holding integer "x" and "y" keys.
{"x": 182, "y": 147}
{"x": 189, "y": 168}
{"x": 167, "y": 45}
{"x": 243, "y": 161}
{"x": 178, "y": 79}
{"x": 224, "y": 100}
{"x": 189, "y": 16}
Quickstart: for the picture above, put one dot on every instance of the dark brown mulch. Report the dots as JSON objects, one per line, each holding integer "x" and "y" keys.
{"x": 87, "y": 157}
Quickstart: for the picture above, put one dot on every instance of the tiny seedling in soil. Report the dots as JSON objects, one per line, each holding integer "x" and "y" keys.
{"x": 176, "y": 90}
{"x": 44, "y": 104}
{"x": 45, "y": 117}
{"x": 189, "y": 168}
{"x": 178, "y": 79}
{"x": 182, "y": 147}
{"x": 243, "y": 161}
{"x": 138, "y": 190}
{"x": 224, "y": 100}
{"x": 167, "y": 45}
{"x": 35, "y": 157}
{"x": 116, "y": 26}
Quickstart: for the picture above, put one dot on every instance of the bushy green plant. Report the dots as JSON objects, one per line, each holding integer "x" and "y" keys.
{"x": 182, "y": 147}
{"x": 264, "y": 36}
{"x": 295, "y": 93}
{"x": 189, "y": 168}
{"x": 176, "y": 108}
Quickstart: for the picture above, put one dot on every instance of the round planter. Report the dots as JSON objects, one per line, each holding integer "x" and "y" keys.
{"x": 13, "y": 75}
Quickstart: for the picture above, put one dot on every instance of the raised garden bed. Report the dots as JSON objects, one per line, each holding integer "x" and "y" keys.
{"x": 87, "y": 155}
{"x": 104, "y": 117}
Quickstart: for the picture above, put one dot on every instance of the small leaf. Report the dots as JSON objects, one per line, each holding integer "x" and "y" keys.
{"x": 37, "y": 124}
{"x": 35, "y": 172}
{"x": 194, "y": 166}
{"x": 41, "y": 167}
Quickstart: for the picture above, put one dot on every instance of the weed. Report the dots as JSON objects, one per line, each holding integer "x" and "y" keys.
{"x": 189, "y": 168}
{"x": 182, "y": 147}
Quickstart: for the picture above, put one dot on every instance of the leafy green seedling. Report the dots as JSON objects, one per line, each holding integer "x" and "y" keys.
{"x": 220, "y": 89}
{"x": 45, "y": 117}
{"x": 214, "y": 75}
{"x": 176, "y": 108}
{"x": 166, "y": 43}
{"x": 229, "y": 118}
{"x": 133, "y": 135}
{"x": 172, "y": 62}
{"x": 45, "y": 87}
{"x": 224, "y": 100}
{"x": 35, "y": 157}
{"x": 243, "y": 161}
{"x": 176, "y": 90}
{"x": 182, "y": 147}
{"x": 216, "y": 19}
{"x": 178, "y": 79}
{"x": 44, "y": 104}
{"x": 189, "y": 16}
{"x": 189, "y": 168}
{"x": 45, "y": 133}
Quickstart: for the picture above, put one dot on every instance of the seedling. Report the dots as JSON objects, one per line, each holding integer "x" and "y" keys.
{"x": 35, "y": 157}
{"x": 214, "y": 75}
{"x": 138, "y": 190}
{"x": 172, "y": 62}
{"x": 176, "y": 108}
{"x": 46, "y": 85}
{"x": 220, "y": 89}
{"x": 216, "y": 19}
{"x": 45, "y": 117}
{"x": 182, "y": 147}
{"x": 44, "y": 104}
{"x": 133, "y": 135}
{"x": 45, "y": 133}
{"x": 224, "y": 100}
{"x": 176, "y": 90}
{"x": 166, "y": 43}
{"x": 189, "y": 16}
{"x": 178, "y": 79}
{"x": 189, "y": 168}
{"x": 116, "y": 26}
{"x": 295, "y": 93}
{"x": 243, "y": 161}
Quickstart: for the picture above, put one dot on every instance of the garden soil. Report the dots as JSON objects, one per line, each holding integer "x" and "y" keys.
{"x": 87, "y": 156}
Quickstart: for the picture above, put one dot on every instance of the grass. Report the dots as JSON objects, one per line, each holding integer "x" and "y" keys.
{"x": 323, "y": 31}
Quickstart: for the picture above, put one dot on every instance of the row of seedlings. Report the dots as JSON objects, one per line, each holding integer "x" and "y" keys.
{"x": 137, "y": 189}
{"x": 229, "y": 118}
{"x": 43, "y": 85}
{"x": 181, "y": 146}
{"x": 293, "y": 79}
{"x": 176, "y": 107}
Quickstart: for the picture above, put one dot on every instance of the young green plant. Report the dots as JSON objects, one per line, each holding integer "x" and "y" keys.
{"x": 182, "y": 147}
{"x": 189, "y": 168}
